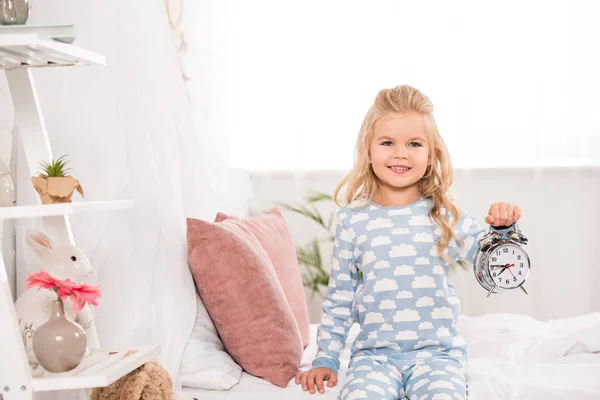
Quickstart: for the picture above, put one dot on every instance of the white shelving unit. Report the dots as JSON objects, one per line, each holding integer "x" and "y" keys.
{"x": 19, "y": 52}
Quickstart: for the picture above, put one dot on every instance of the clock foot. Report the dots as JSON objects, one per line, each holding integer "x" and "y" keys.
{"x": 523, "y": 289}
{"x": 490, "y": 292}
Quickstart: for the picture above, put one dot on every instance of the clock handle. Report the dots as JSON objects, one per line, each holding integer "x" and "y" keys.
{"x": 501, "y": 228}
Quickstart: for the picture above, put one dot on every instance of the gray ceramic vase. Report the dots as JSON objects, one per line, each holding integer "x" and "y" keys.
{"x": 59, "y": 344}
{"x": 14, "y": 12}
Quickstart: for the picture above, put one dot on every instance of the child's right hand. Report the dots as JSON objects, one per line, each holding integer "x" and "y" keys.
{"x": 316, "y": 376}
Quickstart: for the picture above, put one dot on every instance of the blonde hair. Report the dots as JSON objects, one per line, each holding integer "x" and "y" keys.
{"x": 362, "y": 182}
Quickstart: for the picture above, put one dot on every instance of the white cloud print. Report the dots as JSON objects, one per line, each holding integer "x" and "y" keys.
{"x": 403, "y": 250}
{"x": 343, "y": 295}
{"x": 335, "y": 264}
{"x": 423, "y": 281}
{"x": 466, "y": 224}
{"x": 425, "y": 325}
{"x": 371, "y": 275}
{"x": 442, "y": 313}
{"x": 443, "y": 332}
{"x": 379, "y": 376}
{"x": 357, "y": 394}
{"x": 386, "y": 327}
{"x": 359, "y": 217}
{"x": 380, "y": 241}
{"x": 438, "y": 270}
{"x": 345, "y": 254}
{"x": 379, "y": 223}
{"x": 361, "y": 239}
{"x": 425, "y": 302}
{"x": 407, "y": 315}
{"x": 347, "y": 235}
{"x": 368, "y": 257}
{"x": 385, "y": 285}
{"x": 441, "y": 385}
{"x": 405, "y": 294}
{"x": 382, "y": 264}
{"x": 423, "y": 237}
{"x": 407, "y": 335}
{"x": 420, "y": 220}
{"x": 343, "y": 277}
{"x": 344, "y": 311}
{"x": 404, "y": 270}
{"x": 374, "y": 318}
{"x": 400, "y": 231}
{"x": 422, "y": 261}
{"x": 387, "y": 305}
{"x": 368, "y": 299}
{"x": 335, "y": 345}
{"x": 403, "y": 211}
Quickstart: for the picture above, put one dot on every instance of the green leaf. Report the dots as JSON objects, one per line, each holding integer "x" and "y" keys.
{"x": 56, "y": 168}
{"x": 317, "y": 197}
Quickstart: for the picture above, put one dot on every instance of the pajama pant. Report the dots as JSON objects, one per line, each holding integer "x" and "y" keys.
{"x": 393, "y": 378}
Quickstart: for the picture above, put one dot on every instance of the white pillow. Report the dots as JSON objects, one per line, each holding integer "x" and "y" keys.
{"x": 205, "y": 363}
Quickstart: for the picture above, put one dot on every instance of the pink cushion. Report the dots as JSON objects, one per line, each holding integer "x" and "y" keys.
{"x": 273, "y": 234}
{"x": 239, "y": 288}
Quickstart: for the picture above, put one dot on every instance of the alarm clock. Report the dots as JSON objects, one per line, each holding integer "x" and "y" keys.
{"x": 501, "y": 263}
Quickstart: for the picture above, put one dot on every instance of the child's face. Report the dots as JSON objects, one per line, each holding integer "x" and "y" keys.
{"x": 399, "y": 150}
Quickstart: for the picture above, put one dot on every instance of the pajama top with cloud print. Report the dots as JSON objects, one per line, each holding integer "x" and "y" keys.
{"x": 388, "y": 277}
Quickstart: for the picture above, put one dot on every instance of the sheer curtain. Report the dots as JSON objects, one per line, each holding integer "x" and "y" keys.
{"x": 128, "y": 131}
{"x": 513, "y": 84}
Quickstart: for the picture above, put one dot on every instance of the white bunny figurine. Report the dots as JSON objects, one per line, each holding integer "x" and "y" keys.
{"x": 62, "y": 261}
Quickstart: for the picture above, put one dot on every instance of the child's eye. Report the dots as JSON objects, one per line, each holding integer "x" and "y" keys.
{"x": 387, "y": 143}
{"x": 414, "y": 144}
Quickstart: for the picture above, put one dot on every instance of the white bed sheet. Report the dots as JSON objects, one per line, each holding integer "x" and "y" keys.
{"x": 574, "y": 376}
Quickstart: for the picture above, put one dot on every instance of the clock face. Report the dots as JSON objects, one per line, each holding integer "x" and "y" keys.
{"x": 508, "y": 266}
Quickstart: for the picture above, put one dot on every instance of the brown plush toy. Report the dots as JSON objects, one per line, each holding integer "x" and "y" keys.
{"x": 148, "y": 382}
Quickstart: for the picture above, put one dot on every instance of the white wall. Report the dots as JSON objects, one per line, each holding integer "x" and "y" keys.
{"x": 560, "y": 218}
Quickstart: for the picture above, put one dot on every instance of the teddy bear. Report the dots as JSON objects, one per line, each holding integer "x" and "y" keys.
{"x": 147, "y": 382}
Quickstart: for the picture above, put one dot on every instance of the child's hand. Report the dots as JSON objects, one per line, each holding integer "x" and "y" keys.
{"x": 317, "y": 375}
{"x": 503, "y": 214}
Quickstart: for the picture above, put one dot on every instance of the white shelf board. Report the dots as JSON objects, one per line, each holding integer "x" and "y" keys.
{"x": 24, "y": 50}
{"x": 47, "y": 210}
{"x": 99, "y": 369}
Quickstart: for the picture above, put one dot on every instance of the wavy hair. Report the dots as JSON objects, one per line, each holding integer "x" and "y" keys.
{"x": 361, "y": 181}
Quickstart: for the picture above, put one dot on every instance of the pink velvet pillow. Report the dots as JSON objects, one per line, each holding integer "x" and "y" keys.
{"x": 273, "y": 234}
{"x": 240, "y": 290}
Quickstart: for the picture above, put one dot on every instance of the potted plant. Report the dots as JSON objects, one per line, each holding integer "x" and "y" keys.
{"x": 53, "y": 184}
{"x": 316, "y": 275}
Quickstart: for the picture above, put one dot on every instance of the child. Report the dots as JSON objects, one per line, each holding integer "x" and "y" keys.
{"x": 396, "y": 239}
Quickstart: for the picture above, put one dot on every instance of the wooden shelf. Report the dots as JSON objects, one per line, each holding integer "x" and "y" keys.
{"x": 47, "y": 210}
{"x": 22, "y": 50}
{"x": 99, "y": 369}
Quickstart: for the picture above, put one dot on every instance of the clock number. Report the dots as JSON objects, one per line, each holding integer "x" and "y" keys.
{"x": 498, "y": 253}
{"x": 494, "y": 274}
{"x": 505, "y": 250}
{"x": 494, "y": 259}
{"x": 515, "y": 279}
{"x": 521, "y": 265}
{"x": 520, "y": 273}
{"x": 518, "y": 257}
{"x": 507, "y": 281}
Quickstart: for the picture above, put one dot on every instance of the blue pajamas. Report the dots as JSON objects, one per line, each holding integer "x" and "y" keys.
{"x": 388, "y": 276}
{"x": 373, "y": 377}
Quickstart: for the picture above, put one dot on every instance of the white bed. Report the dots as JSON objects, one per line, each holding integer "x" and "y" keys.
{"x": 521, "y": 358}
